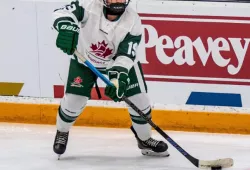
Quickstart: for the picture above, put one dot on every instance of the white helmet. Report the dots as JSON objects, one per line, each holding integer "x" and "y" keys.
{"x": 116, "y": 8}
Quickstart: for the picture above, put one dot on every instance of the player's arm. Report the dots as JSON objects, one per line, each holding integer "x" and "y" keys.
{"x": 126, "y": 53}
{"x": 73, "y": 12}
{"x": 66, "y": 21}
{"x": 124, "y": 60}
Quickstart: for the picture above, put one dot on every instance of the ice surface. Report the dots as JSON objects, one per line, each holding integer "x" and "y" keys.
{"x": 29, "y": 147}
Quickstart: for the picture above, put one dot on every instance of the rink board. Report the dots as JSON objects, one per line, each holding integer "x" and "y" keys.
{"x": 118, "y": 117}
{"x": 195, "y": 65}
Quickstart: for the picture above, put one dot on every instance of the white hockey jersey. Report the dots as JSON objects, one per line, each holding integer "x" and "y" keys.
{"x": 104, "y": 43}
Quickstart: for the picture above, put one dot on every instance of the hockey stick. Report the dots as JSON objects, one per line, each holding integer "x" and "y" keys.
{"x": 213, "y": 164}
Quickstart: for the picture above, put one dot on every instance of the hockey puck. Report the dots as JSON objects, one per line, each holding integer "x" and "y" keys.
{"x": 216, "y": 168}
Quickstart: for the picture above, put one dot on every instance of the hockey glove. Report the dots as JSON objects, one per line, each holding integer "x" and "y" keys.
{"x": 120, "y": 80}
{"x": 67, "y": 38}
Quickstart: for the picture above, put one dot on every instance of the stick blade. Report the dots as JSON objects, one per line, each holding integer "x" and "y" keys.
{"x": 223, "y": 163}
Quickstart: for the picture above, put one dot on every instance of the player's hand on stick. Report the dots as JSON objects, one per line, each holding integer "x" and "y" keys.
{"x": 67, "y": 38}
{"x": 120, "y": 79}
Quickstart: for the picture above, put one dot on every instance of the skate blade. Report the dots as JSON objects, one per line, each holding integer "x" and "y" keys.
{"x": 152, "y": 153}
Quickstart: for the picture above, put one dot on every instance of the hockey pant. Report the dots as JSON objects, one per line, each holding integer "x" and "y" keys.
{"x": 79, "y": 83}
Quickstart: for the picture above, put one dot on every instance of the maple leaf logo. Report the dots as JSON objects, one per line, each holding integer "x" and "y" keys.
{"x": 78, "y": 80}
{"x": 101, "y": 49}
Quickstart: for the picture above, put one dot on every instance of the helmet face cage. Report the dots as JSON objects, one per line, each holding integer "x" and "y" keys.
{"x": 106, "y": 3}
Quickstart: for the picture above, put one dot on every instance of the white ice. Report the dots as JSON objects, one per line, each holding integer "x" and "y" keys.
{"x": 29, "y": 147}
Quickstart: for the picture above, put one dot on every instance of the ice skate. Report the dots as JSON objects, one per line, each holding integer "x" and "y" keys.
{"x": 152, "y": 147}
{"x": 60, "y": 143}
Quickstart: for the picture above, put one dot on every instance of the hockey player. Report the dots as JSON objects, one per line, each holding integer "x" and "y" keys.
{"x": 107, "y": 33}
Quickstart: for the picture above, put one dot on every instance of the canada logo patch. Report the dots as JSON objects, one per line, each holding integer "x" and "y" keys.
{"x": 101, "y": 49}
{"x": 77, "y": 82}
